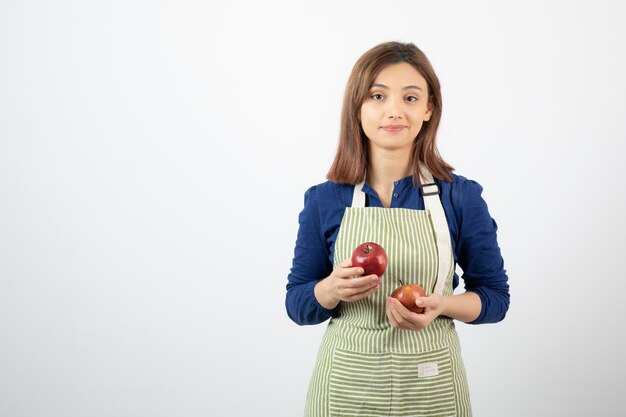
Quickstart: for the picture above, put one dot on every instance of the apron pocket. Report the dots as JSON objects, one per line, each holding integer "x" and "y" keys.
{"x": 423, "y": 384}
{"x": 392, "y": 384}
{"x": 360, "y": 384}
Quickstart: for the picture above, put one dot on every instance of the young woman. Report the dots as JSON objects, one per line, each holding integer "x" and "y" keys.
{"x": 389, "y": 185}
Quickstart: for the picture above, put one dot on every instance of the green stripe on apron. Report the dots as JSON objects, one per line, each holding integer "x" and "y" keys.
{"x": 366, "y": 367}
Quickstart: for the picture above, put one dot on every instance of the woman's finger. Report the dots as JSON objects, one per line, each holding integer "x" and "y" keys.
{"x": 363, "y": 294}
{"x": 390, "y": 315}
{"x": 350, "y": 286}
{"x": 406, "y": 318}
{"x": 363, "y": 282}
{"x": 349, "y": 272}
{"x": 396, "y": 317}
{"x": 360, "y": 285}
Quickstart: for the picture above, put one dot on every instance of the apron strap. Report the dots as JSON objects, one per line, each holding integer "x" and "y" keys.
{"x": 358, "y": 197}
{"x": 432, "y": 202}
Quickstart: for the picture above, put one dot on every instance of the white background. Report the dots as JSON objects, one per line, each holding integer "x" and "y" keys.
{"x": 153, "y": 161}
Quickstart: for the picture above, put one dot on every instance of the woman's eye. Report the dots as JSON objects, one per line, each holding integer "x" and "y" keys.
{"x": 377, "y": 96}
{"x": 411, "y": 98}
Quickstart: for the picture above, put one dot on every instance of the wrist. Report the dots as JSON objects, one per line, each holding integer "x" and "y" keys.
{"x": 323, "y": 296}
{"x": 445, "y": 301}
{"x": 464, "y": 307}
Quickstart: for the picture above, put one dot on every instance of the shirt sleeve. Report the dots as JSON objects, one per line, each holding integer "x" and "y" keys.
{"x": 311, "y": 264}
{"x": 478, "y": 253}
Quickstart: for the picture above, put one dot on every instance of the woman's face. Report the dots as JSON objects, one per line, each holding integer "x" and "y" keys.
{"x": 396, "y": 107}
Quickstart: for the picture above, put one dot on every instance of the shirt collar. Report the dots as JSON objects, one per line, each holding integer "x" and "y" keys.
{"x": 399, "y": 185}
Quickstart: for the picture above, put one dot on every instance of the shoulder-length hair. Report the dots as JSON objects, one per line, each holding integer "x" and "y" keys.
{"x": 351, "y": 159}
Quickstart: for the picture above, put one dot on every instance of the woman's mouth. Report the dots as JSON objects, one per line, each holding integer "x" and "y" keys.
{"x": 393, "y": 128}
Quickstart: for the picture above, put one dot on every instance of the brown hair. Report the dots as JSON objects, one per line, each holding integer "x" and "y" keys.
{"x": 351, "y": 159}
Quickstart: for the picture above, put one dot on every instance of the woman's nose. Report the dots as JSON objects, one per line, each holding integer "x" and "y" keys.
{"x": 393, "y": 110}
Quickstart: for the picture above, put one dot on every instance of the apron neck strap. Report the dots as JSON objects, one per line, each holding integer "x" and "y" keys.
{"x": 432, "y": 203}
{"x": 358, "y": 197}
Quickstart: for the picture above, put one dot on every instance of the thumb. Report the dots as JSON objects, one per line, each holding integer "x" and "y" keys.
{"x": 422, "y": 301}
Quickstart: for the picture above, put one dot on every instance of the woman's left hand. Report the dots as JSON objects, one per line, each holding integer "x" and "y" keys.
{"x": 403, "y": 318}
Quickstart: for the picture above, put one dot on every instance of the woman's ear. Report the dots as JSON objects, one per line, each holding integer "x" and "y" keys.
{"x": 429, "y": 111}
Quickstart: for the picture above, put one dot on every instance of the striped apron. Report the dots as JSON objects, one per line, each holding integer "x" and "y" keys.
{"x": 365, "y": 366}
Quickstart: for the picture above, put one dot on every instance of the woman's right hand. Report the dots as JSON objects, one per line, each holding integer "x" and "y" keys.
{"x": 345, "y": 283}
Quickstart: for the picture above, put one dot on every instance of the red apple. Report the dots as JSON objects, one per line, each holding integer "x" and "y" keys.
{"x": 371, "y": 257}
{"x": 407, "y": 294}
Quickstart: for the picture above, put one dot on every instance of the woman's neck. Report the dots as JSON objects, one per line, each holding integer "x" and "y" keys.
{"x": 384, "y": 169}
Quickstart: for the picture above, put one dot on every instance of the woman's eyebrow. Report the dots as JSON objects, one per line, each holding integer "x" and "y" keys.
{"x": 408, "y": 87}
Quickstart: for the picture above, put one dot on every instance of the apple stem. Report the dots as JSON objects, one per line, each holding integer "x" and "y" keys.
{"x": 401, "y": 283}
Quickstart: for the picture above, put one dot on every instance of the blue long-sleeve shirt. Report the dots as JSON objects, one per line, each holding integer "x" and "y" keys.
{"x": 472, "y": 230}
